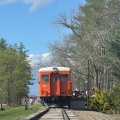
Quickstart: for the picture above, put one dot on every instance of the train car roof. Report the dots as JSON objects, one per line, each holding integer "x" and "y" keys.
{"x": 53, "y": 68}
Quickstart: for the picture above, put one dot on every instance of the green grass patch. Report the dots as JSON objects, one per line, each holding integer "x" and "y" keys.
{"x": 17, "y": 113}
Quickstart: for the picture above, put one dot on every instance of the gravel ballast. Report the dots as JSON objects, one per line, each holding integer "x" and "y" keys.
{"x": 93, "y": 115}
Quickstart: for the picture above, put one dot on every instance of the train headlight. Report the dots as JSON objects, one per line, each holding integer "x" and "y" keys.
{"x": 55, "y": 69}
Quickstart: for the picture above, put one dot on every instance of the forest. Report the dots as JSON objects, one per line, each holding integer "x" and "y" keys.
{"x": 92, "y": 49}
{"x": 15, "y": 73}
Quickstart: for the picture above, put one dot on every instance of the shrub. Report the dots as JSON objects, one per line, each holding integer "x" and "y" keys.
{"x": 115, "y": 98}
{"x": 100, "y": 101}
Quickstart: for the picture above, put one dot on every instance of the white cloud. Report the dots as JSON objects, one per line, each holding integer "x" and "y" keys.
{"x": 35, "y": 4}
{"x": 36, "y": 59}
{"x": 44, "y": 55}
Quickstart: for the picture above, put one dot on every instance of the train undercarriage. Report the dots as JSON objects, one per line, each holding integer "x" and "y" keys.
{"x": 59, "y": 101}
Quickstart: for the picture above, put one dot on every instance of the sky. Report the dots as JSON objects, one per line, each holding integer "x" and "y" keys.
{"x": 30, "y": 22}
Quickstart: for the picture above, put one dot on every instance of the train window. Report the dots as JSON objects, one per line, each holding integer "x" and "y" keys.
{"x": 45, "y": 78}
{"x": 54, "y": 78}
{"x": 64, "y": 77}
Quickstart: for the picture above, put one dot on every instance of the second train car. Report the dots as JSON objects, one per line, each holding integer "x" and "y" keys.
{"x": 55, "y": 86}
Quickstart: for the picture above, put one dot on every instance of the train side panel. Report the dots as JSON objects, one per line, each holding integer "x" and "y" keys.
{"x": 44, "y": 84}
{"x": 66, "y": 84}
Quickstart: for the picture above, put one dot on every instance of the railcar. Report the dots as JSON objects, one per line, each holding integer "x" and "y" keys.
{"x": 55, "y": 86}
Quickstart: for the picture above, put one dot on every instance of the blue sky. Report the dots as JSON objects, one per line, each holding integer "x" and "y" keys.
{"x": 30, "y": 22}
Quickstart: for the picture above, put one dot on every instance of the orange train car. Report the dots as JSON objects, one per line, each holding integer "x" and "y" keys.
{"x": 55, "y": 86}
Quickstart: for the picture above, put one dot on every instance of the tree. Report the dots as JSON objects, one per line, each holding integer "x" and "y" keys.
{"x": 115, "y": 98}
{"x": 3, "y": 44}
{"x": 15, "y": 74}
{"x": 92, "y": 26}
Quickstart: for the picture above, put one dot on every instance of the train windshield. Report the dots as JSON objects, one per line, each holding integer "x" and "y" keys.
{"x": 54, "y": 78}
{"x": 45, "y": 78}
{"x": 64, "y": 77}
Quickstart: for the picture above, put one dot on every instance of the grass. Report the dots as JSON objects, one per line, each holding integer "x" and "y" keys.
{"x": 17, "y": 113}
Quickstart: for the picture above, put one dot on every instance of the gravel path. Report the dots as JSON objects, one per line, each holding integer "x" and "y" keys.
{"x": 93, "y": 115}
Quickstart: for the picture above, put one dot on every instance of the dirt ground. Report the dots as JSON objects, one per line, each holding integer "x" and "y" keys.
{"x": 93, "y": 115}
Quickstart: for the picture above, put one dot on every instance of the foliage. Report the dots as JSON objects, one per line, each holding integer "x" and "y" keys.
{"x": 115, "y": 99}
{"x": 93, "y": 28}
{"x": 15, "y": 73}
{"x": 95, "y": 37}
{"x": 100, "y": 101}
{"x": 114, "y": 48}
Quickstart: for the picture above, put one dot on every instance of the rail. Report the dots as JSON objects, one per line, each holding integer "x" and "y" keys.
{"x": 35, "y": 116}
{"x": 52, "y": 113}
{"x": 65, "y": 116}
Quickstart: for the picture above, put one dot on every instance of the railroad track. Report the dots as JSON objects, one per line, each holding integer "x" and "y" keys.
{"x": 53, "y": 114}
{"x": 58, "y": 114}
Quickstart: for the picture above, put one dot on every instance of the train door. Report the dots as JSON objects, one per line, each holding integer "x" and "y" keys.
{"x": 55, "y": 84}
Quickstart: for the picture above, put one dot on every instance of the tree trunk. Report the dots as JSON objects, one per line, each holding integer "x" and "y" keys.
{"x": 97, "y": 78}
{"x": 1, "y": 106}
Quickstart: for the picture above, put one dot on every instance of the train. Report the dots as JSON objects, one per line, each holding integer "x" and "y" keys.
{"x": 55, "y": 86}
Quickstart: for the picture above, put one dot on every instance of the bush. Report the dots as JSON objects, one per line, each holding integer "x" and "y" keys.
{"x": 100, "y": 101}
{"x": 115, "y": 99}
